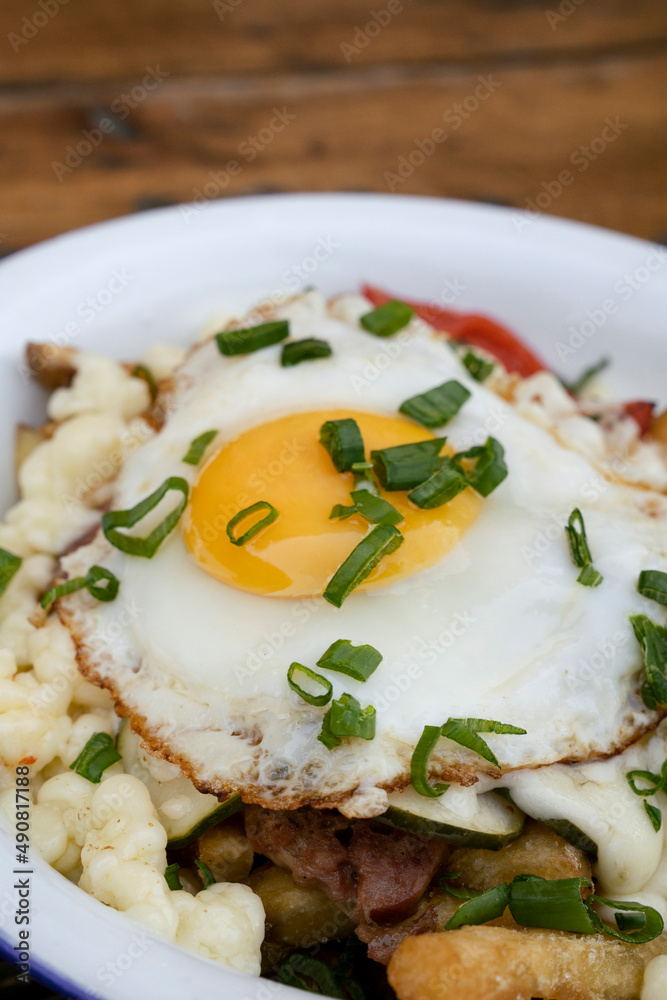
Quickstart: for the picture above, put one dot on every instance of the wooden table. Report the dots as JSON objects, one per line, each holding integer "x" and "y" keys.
{"x": 111, "y": 106}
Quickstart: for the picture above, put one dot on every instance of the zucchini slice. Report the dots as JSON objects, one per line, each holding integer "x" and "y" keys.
{"x": 495, "y": 822}
{"x": 568, "y": 831}
{"x": 193, "y": 812}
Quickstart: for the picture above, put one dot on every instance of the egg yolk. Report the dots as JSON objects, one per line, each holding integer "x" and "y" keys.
{"x": 284, "y": 464}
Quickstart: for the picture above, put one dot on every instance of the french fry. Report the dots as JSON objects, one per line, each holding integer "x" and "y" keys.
{"x": 226, "y": 850}
{"x": 494, "y": 963}
{"x": 51, "y": 365}
{"x": 536, "y": 851}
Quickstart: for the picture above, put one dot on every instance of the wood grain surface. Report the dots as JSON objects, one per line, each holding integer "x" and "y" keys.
{"x": 110, "y": 107}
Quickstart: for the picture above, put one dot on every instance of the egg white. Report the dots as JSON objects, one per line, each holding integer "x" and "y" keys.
{"x": 498, "y": 629}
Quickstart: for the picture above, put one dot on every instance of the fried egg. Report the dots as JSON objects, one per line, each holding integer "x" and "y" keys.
{"x": 477, "y": 615}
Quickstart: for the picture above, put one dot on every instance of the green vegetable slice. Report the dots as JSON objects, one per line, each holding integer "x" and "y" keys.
{"x": 381, "y": 541}
{"x": 145, "y": 547}
{"x": 406, "y": 465}
{"x": 98, "y": 754}
{"x": 359, "y": 662}
{"x": 437, "y": 406}
{"x": 91, "y": 582}
{"x": 443, "y": 486}
{"x": 488, "y": 469}
{"x": 387, "y": 319}
{"x": 653, "y": 584}
{"x": 255, "y": 528}
{"x": 325, "y": 686}
{"x": 479, "y": 368}
{"x": 195, "y": 452}
{"x": 304, "y": 350}
{"x": 495, "y": 822}
{"x": 375, "y": 509}
{"x": 9, "y": 565}
{"x": 254, "y": 338}
{"x": 343, "y": 440}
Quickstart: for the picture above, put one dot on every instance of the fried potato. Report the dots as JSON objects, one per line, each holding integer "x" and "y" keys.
{"x": 227, "y": 851}
{"x": 536, "y": 851}
{"x": 494, "y": 963}
{"x": 658, "y": 429}
{"x": 297, "y": 915}
{"x": 26, "y": 440}
{"x": 51, "y": 365}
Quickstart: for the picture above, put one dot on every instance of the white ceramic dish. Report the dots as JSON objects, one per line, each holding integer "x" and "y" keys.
{"x": 119, "y": 286}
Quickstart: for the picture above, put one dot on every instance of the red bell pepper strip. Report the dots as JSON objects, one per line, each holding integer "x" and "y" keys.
{"x": 478, "y": 331}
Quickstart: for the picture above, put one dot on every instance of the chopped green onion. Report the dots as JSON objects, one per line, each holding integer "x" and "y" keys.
{"x": 197, "y": 448}
{"x": 254, "y": 338}
{"x": 298, "y": 965}
{"x": 589, "y": 577}
{"x": 651, "y": 928}
{"x": 437, "y": 406}
{"x": 387, "y": 319}
{"x": 381, "y": 541}
{"x": 653, "y": 640}
{"x": 555, "y": 904}
{"x": 313, "y": 699}
{"x": 343, "y": 440}
{"x": 406, "y": 465}
{"x": 171, "y": 874}
{"x": 209, "y": 877}
{"x": 9, "y": 564}
{"x": 255, "y": 528}
{"x": 419, "y": 764}
{"x": 105, "y": 593}
{"x": 478, "y": 367}
{"x": 358, "y": 662}
{"x": 441, "y": 487}
{"x": 145, "y": 547}
{"x": 580, "y": 551}
{"x": 480, "y": 909}
{"x": 346, "y": 717}
{"x": 630, "y": 921}
{"x": 142, "y": 372}
{"x": 98, "y": 754}
{"x": 375, "y": 509}
{"x": 304, "y": 350}
{"x": 657, "y": 782}
{"x": 654, "y": 815}
{"x": 653, "y": 584}
{"x": 464, "y": 732}
{"x": 489, "y": 469}
{"x": 339, "y": 512}
{"x": 577, "y": 387}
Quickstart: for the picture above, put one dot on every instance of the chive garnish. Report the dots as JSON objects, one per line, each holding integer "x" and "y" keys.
{"x": 381, "y": 541}
{"x": 654, "y": 815}
{"x": 255, "y": 528}
{"x": 557, "y": 904}
{"x": 195, "y": 452}
{"x": 358, "y": 662}
{"x": 345, "y": 718}
{"x": 419, "y": 764}
{"x": 209, "y": 877}
{"x": 343, "y": 440}
{"x": 325, "y": 685}
{"x": 441, "y": 487}
{"x": 98, "y": 754}
{"x": 465, "y": 733}
{"x": 577, "y": 387}
{"x": 142, "y": 372}
{"x": 9, "y": 564}
{"x": 488, "y": 469}
{"x": 375, "y": 509}
{"x": 145, "y": 547}
{"x": 314, "y": 969}
{"x": 656, "y": 782}
{"x": 90, "y": 581}
{"x": 253, "y": 338}
{"x": 653, "y": 640}
{"x": 387, "y": 319}
{"x": 581, "y": 553}
{"x": 653, "y": 584}
{"x": 339, "y": 512}
{"x": 304, "y": 350}
{"x": 437, "y": 406}
{"x": 406, "y": 465}
{"x": 172, "y": 877}
{"x": 479, "y": 368}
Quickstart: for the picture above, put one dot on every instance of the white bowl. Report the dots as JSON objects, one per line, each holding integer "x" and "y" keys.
{"x": 574, "y": 292}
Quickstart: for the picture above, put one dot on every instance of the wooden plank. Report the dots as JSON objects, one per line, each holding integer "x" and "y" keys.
{"x": 94, "y": 39}
{"x": 508, "y": 144}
